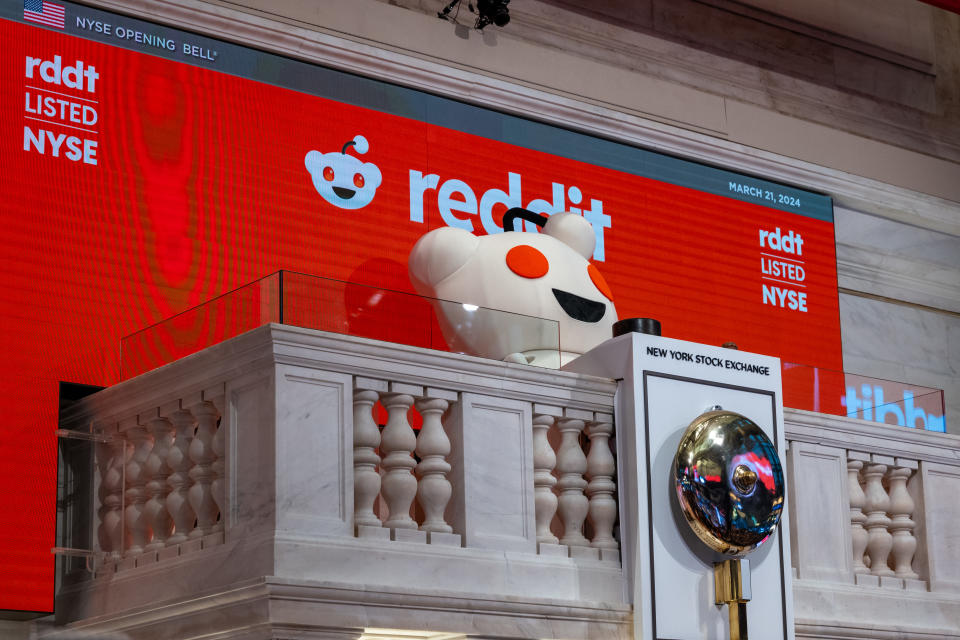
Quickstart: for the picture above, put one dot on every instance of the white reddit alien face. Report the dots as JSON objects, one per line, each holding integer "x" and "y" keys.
{"x": 344, "y": 181}
{"x": 539, "y": 275}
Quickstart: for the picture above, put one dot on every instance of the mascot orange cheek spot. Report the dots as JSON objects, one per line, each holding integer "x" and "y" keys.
{"x": 526, "y": 261}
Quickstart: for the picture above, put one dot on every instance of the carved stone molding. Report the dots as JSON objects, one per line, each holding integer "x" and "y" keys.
{"x": 852, "y": 433}
{"x": 881, "y": 274}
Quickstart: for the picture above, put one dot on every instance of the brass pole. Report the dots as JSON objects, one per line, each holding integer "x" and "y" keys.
{"x": 731, "y": 579}
{"x": 738, "y": 620}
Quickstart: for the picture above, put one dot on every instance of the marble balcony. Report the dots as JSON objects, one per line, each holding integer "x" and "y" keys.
{"x": 246, "y": 491}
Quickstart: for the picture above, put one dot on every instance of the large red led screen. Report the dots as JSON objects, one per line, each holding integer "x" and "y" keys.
{"x": 147, "y": 170}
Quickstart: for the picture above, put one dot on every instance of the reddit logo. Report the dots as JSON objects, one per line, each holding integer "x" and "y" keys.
{"x": 344, "y": 181}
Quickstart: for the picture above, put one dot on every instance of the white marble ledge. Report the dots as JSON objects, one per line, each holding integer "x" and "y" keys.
{"x": 15, "y": 630}
{"x": 355, "y": 565}
{"x": 927, "y": 283}
{"x": 415, "y": 365}
{"x": 871, "y": 437}
{"x": 272, "y": 607}
{"x": 813, "y": 631}
{"x": 472, "y": 572}
{"x": 841, "y": 612}
{"x": 888, "y": 238}
{"x": 500, "y": 616}
{"x": 202, "y": 375}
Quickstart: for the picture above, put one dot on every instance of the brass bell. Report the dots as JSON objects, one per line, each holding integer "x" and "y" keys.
{"x": 729, "y": 483}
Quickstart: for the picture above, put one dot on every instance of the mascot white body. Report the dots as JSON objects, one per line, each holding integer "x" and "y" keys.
{"x": 530, "y": 276}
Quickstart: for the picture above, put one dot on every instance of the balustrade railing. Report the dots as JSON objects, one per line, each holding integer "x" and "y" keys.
{"x": 424, "y": 478}
{"x": 574, "y": 484}
{"x": 159, "y": 484}
{"x": 866, "y": 501}
{"x": 432, "y": 463}
{"x": 317, "y": 456}
{"x": 402, "y": 483}
{"x": 161, "y": 477}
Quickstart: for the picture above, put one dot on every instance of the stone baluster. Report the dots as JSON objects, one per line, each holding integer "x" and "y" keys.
{"x": 433, "y": 447}
{"x": 219, "y": 482}
{"x": 136, "y": 476}
{"x": 397, "y": 443}
{"x": 366, "y": 439}
{"x": 157, "y": 488}
{"x": 601, "y": 468}
{"x": 571, "y": 465}
{"x": 544, "y": 459}
{"x": 901, "y": 524}
{"x": 178, "y": 504}
{"x": 202, "y": 474}
{"x": 858, "y": 535}
{"x": 110, "y": 533}
{"x": 879, "y": 540}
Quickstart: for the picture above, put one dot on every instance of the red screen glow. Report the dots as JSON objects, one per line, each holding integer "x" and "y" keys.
{"x": 192, "y": 183}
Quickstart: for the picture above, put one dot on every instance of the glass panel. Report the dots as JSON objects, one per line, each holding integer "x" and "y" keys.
{"x": 77, "y": 488}
{"x": 214, "y": 321}
{"x": 856, "y": 396}
{"x": 359, "y": 310}
{"x": 349, "y": 308}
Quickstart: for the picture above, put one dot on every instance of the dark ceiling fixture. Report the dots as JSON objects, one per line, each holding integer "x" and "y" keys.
{"x": 493, "y": 12}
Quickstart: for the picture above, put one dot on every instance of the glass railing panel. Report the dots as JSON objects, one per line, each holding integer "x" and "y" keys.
{"x": 857, "y": 396}
{"x": 209, "y": 323}
{"x": 76, "y": 548}
{"x": 348, "y": 308}
{"x": 360, "y": 310}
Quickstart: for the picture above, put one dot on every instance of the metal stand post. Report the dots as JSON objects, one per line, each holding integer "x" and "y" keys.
{"x": 731, "y": 580}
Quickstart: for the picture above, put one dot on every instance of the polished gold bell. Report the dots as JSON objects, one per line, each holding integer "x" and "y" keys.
{"x": 729, "y": 484}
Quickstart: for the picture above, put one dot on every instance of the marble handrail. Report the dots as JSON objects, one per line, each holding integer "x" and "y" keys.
{"x": 500, "y": 448}
{"x": 873, "y": 512}
{"x": 886, "y": 490}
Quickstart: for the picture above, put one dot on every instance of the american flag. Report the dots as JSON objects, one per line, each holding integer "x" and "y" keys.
{"x": 43, "y": 12}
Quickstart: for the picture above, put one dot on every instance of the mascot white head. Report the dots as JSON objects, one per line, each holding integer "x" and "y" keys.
{"x": 493, "y": 292}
